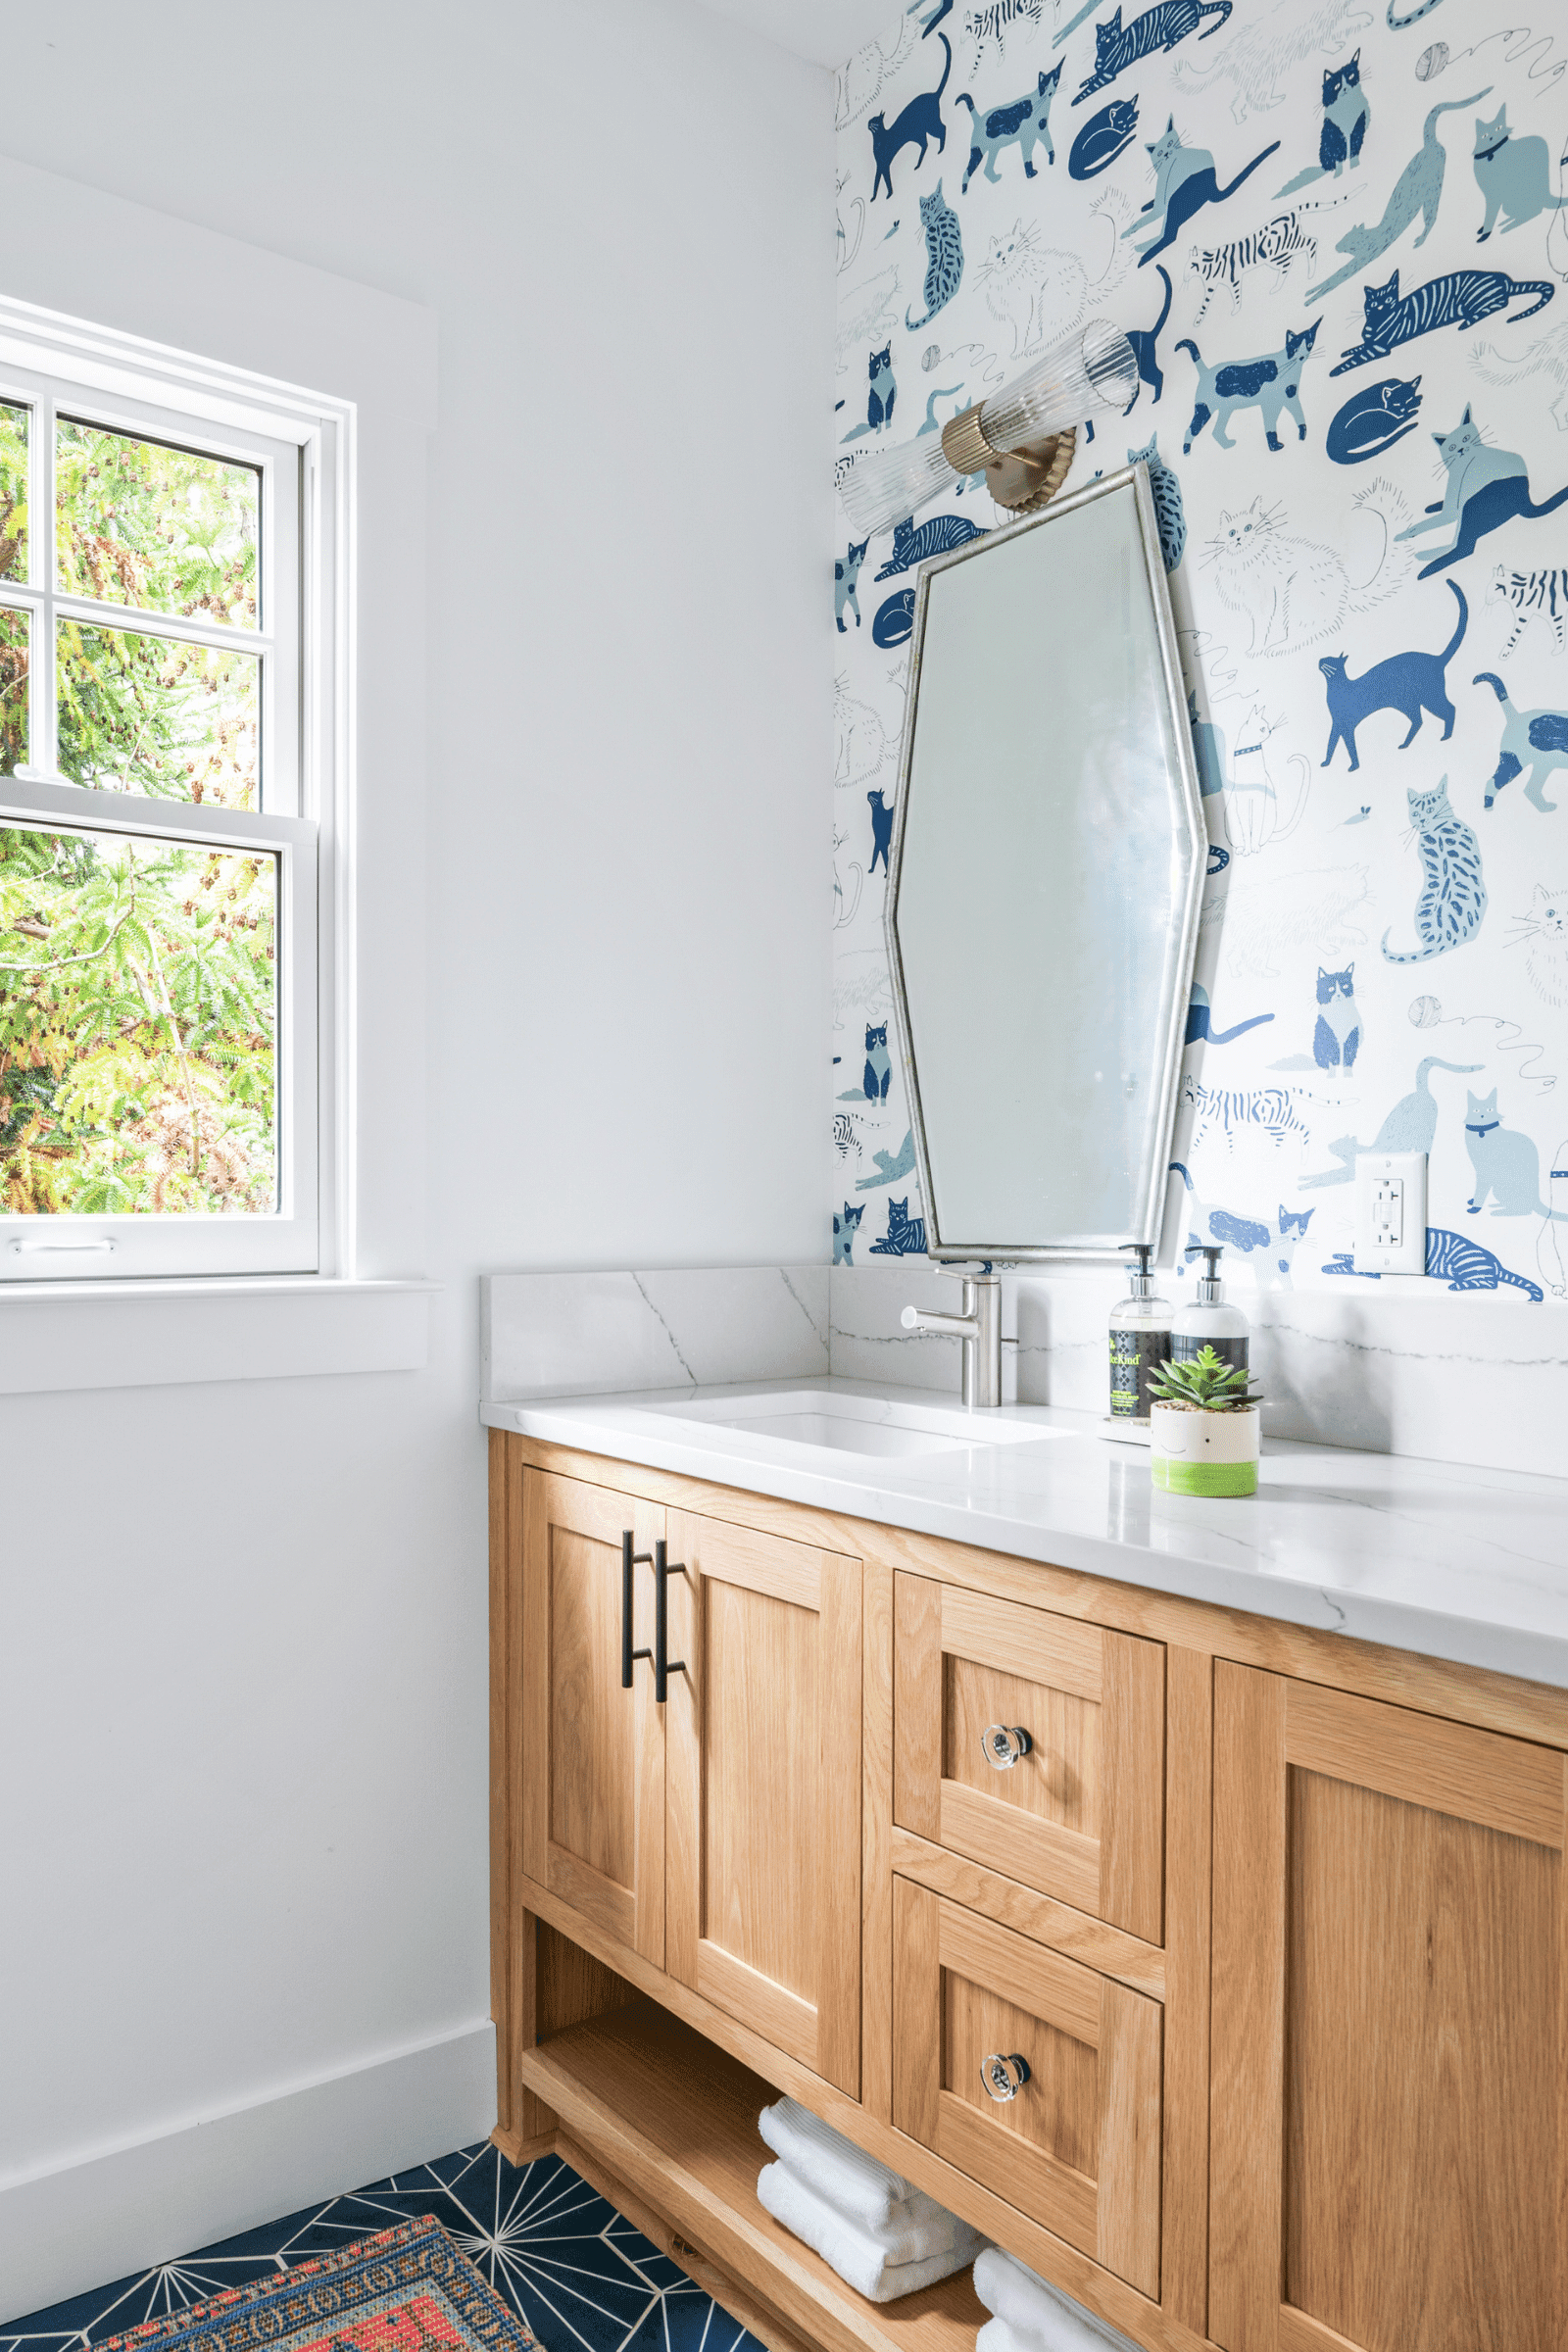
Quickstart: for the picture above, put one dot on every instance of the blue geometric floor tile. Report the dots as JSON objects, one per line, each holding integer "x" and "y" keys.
{"x": 583, "y": 2278}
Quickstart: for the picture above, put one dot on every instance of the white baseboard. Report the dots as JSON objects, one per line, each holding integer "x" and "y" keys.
{"x": 109, "y": 2214}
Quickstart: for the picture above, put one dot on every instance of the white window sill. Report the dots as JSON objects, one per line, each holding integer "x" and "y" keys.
{"x": 136, "y": 1335}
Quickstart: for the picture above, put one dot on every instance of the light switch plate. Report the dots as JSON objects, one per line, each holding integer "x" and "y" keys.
{"x": 1391, "y": 1212}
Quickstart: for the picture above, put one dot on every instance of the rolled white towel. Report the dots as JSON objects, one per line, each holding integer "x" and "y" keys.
{"x": 835, "y": 2167}
{"x": 1039, "y": 2317}
{"x": 996, "y": 2336}
{"x": 848, "y": 2246}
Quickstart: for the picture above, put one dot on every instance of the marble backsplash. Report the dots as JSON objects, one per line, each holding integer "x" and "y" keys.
{"x": 1361, "y": 1367}
{"x": 580, "y": 1335}
{"x": 1365, "y": 1367}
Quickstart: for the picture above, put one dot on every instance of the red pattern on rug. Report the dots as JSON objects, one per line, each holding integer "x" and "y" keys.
{"x": 408, "y": 2289}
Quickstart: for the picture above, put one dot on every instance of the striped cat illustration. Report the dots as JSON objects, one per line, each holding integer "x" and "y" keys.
{"x": 1461, "y": 298}
{"x": 1118, "y": 48}
{"x": 1167, "y": 492}
{"x": 944, "y": 245}
{"x": 1453, "y": 898}
{"x": 1534, "y": 596}
{"x": 938, "y": 536}
{"x": 996, "y": 20}
{"x": 905, "y": 1236}
{"x": 1277, "y": 246}
{"x": 1456, "y": 1259}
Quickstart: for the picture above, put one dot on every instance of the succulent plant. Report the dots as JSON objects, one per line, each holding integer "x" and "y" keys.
{"x": 1205, "y": 1383}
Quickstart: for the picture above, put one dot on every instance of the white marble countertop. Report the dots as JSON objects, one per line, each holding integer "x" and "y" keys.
{"x": 1459, "y": 1563}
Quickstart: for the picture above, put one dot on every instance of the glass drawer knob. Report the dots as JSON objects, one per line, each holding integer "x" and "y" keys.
{"x": 1004, "y": 2077}
{"x": 1004, "y": 1744}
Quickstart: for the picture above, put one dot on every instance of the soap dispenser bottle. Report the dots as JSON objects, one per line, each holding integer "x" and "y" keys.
{"x": 1208, "y": 1322}
{"x": 1140, "y": 1340}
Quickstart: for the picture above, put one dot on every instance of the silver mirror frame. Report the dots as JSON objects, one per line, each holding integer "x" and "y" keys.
{"x": 1171, "y": 1043}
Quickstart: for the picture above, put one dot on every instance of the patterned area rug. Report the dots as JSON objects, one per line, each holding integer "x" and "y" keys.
{"x": 405, "y": 2289}
{"x": 571, "y": 2267}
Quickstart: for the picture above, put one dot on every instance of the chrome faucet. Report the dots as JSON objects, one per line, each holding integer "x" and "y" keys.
{"x": 979, "y": 1327}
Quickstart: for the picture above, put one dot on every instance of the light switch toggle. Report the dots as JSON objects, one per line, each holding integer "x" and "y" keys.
{"x": 1391, "y": 1212}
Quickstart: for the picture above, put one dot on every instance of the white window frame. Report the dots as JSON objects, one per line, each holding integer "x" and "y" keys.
{"x": 304, "y": 445}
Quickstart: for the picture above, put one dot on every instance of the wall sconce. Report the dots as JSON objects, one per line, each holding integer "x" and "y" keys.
{"x": 1021, "y": 437}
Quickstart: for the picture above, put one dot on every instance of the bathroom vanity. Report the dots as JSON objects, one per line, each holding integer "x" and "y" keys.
{"x": 1241, "y": 1825}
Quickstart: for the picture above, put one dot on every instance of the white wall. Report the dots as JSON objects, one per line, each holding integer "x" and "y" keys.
{"x": 244, "y": 1625}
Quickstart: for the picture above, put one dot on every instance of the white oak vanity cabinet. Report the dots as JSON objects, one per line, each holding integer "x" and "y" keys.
{"x": 1216, "y": 1967}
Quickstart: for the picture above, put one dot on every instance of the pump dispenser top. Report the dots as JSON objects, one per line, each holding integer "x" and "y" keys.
{"x": 1140, "y": 1338}
{"x": 1208, "y": 1322}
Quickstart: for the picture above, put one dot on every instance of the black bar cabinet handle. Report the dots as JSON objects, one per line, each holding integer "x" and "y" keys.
{"x": 631, "y": 1558}
{"x": 663, "y": 1664}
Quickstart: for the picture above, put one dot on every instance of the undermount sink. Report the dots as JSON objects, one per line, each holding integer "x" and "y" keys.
{"x": 865, "y": 1425}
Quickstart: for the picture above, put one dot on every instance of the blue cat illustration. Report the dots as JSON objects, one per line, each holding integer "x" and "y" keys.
{"x": 1418, "y": 189}
{"x": 1463, "y": 298}
{"x": 1506, "y": 1163}
{"x": 1184, "y": 183}
{"x": 881, "y": 830}
{"x": 1455, "y": 1258}
{"x": 1372, "y": 419}
{"x": 843, "y": 1231}
{"x": 1410, "y": 683}
{"x": 1167, "y": 491}
{"x": 1209, "y": 751}
{"x": 1337, "y": 1035}
{"x": 879, "y": 1065}
{"x": 883, "y": 392}
{"x": 1102, "y": 138}
{"x": 1142, "y": 340}
{"x": 1271, "y": 385}
{"x": 846, "y": 572}
{"x": 1533, "y": 740}
{"x": 944, "y": 245}
{"x": 1200, "y": 1029}
{"x": 891, "y": 1165}
{"x": 1513, "y": 174}
{"x": 1160, "y": 28}
{"x": 1487, "y": 487}
{"x": 894, "y": 624}
{"x": 938, "y": 536}
{"x": 1021, "y": 122}
{"x": 905, "y": 1236}
{"x": 1346, "y": 116}
{"x": 1410, "y": 1126}
{"x": 917, "y": 125}
{"x": 1269, "y": 1248}
{"x": 1453, "y": 896}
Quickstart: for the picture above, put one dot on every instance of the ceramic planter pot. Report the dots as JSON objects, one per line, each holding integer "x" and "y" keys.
{"x": 1204, "y": 1453}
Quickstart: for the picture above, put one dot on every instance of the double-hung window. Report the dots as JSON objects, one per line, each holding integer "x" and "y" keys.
{"x": 167, "y": 759}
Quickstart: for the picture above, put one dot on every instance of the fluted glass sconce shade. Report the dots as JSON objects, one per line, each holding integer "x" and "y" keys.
{"x": 1087, "y": 371}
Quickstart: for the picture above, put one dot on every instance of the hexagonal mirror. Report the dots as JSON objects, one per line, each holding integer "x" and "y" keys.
{"x": 1048, "y": 862}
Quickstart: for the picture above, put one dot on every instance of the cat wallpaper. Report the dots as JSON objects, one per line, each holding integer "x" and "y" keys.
{"x": 1336, "y": 237}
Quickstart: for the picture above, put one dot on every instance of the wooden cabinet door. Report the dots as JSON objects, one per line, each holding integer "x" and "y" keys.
{"x": 1387, "y": 2163}
{"x": 764, "y": 1770}
{"x": 1081, "y": 1816}
{"x": 1078, "y": 2146}
{"x": 593, "y": 1812}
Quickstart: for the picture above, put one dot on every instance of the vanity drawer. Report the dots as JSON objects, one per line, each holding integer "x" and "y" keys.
{"x": 1080, "y": 1814}
{"x": 1073, "y": 2140}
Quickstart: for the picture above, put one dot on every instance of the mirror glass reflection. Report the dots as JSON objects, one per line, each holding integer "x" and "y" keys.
{"x": 1048, "y": 866}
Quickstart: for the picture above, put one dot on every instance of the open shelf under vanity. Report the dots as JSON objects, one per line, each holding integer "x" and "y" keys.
{"x": 665, "y": 2125}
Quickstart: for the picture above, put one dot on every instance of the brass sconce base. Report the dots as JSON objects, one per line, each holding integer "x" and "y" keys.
{"x": 1021, "y": 479}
